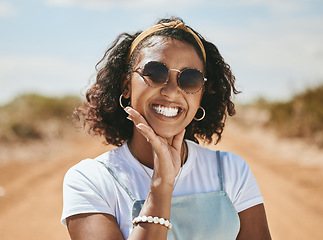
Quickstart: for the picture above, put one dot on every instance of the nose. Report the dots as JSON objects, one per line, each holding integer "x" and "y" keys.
{"x": 171, "y": 89}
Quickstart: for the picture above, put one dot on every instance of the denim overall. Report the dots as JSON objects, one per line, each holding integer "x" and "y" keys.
{"x": 197, "y": 216}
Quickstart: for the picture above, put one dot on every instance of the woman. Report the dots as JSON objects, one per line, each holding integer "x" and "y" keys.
{"x": 156, "y": 92}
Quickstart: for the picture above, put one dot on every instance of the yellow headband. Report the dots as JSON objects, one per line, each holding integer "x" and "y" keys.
{"x": 161, "y": 26}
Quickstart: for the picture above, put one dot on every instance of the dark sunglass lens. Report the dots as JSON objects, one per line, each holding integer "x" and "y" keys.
{"x": 156, "y": 72}
{"x": 191, "y": 80}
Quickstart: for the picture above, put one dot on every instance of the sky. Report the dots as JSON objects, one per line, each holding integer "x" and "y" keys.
{"x": 274, "y": 47}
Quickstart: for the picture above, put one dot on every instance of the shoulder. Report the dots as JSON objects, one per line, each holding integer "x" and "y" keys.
{"x": 199, "y": 151}
{"x": 239, "y": 182}
{"x": 92, "y": 169}
{"x": 235, "y": 169}
{"x": 228, "y": 159}
{"x": 233, "y": 162}
{"x": 88, "y": 187}
{"x": 90, "y": 179}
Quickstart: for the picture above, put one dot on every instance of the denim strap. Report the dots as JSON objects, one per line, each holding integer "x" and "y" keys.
{"x": 117, "y": 179}
{"x": 218, "y": 156}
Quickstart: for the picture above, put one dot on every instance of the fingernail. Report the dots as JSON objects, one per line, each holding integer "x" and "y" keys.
{"x": 129, "y": 118}
{"x": 126, "y": 110}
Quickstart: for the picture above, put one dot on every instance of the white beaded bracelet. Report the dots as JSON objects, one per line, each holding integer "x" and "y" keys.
{"x": 151, "y": 219}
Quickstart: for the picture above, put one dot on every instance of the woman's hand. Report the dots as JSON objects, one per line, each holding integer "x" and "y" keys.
{"x": 167, "y": 163}
{"x": 167, "y": 152}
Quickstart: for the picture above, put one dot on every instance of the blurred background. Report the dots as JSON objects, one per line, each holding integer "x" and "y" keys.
{"x": 48, "y": 52}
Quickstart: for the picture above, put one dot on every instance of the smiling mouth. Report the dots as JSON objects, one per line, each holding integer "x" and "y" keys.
{"x": 166, "y": 111}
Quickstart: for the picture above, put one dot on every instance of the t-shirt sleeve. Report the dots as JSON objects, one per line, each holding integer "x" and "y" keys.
{"x": 240, "y": 183}
{"x": 84, "y": 191}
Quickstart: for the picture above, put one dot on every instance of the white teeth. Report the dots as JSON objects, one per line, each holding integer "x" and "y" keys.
{"x": 166, "y": 111}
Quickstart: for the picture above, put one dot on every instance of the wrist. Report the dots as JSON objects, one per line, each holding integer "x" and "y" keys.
{"x": 161, "y": 185}
{"x": 158, "y": 201}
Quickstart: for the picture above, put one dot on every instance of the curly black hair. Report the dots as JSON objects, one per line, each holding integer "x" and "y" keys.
{"x": 104, "y": 116}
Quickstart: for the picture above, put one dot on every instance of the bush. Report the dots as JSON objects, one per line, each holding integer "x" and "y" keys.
{"x": 34, "y": 116}
{"x": 302, "y": 116}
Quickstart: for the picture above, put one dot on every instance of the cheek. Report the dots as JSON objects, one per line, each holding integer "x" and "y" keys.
{"x": 139, "y": 93}
{"x": 194, "y": 104}
{"x": 196, "y": 101}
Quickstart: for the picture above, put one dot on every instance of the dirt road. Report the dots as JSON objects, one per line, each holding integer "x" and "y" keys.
{"x": 31, "y": 191}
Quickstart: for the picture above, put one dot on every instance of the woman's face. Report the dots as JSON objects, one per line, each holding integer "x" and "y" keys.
{"x": 167, "y": 108}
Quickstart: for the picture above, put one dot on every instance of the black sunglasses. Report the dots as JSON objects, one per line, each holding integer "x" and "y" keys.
{"x": 156, "y": 74}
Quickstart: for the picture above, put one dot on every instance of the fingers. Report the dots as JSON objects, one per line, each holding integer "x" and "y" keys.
{"x": 141, "y": 123}
{"x": 167, "y": 152}
{"x": 135, "y": 116}
{"x": 147, "y": 132}
{"x": 144, "y": 128}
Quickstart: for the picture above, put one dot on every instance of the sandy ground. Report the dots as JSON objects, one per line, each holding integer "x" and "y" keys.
{"x": 289, "y": 173}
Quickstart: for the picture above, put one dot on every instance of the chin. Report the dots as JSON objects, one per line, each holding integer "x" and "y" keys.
{"x": 166, "y": 134}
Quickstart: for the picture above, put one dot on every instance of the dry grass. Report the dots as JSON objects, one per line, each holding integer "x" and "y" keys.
{"x": 301, "y": 117}
{"x": 34, "y": 117}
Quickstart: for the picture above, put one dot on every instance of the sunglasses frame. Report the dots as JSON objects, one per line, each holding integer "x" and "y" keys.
{"x": 178, "y": 76}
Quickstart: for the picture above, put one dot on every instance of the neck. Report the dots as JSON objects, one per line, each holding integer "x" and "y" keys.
{"x": 141, "y": 149}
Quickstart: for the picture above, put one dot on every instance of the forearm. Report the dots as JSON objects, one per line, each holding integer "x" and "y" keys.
{"x": 167, "y": 161}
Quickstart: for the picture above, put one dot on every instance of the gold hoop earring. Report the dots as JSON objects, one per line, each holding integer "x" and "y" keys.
{"x": 203, "y": 115}
{"x": 120, "y": 101}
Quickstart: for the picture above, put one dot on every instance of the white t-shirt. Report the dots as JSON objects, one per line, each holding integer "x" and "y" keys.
{"x": 89, "y": 187}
